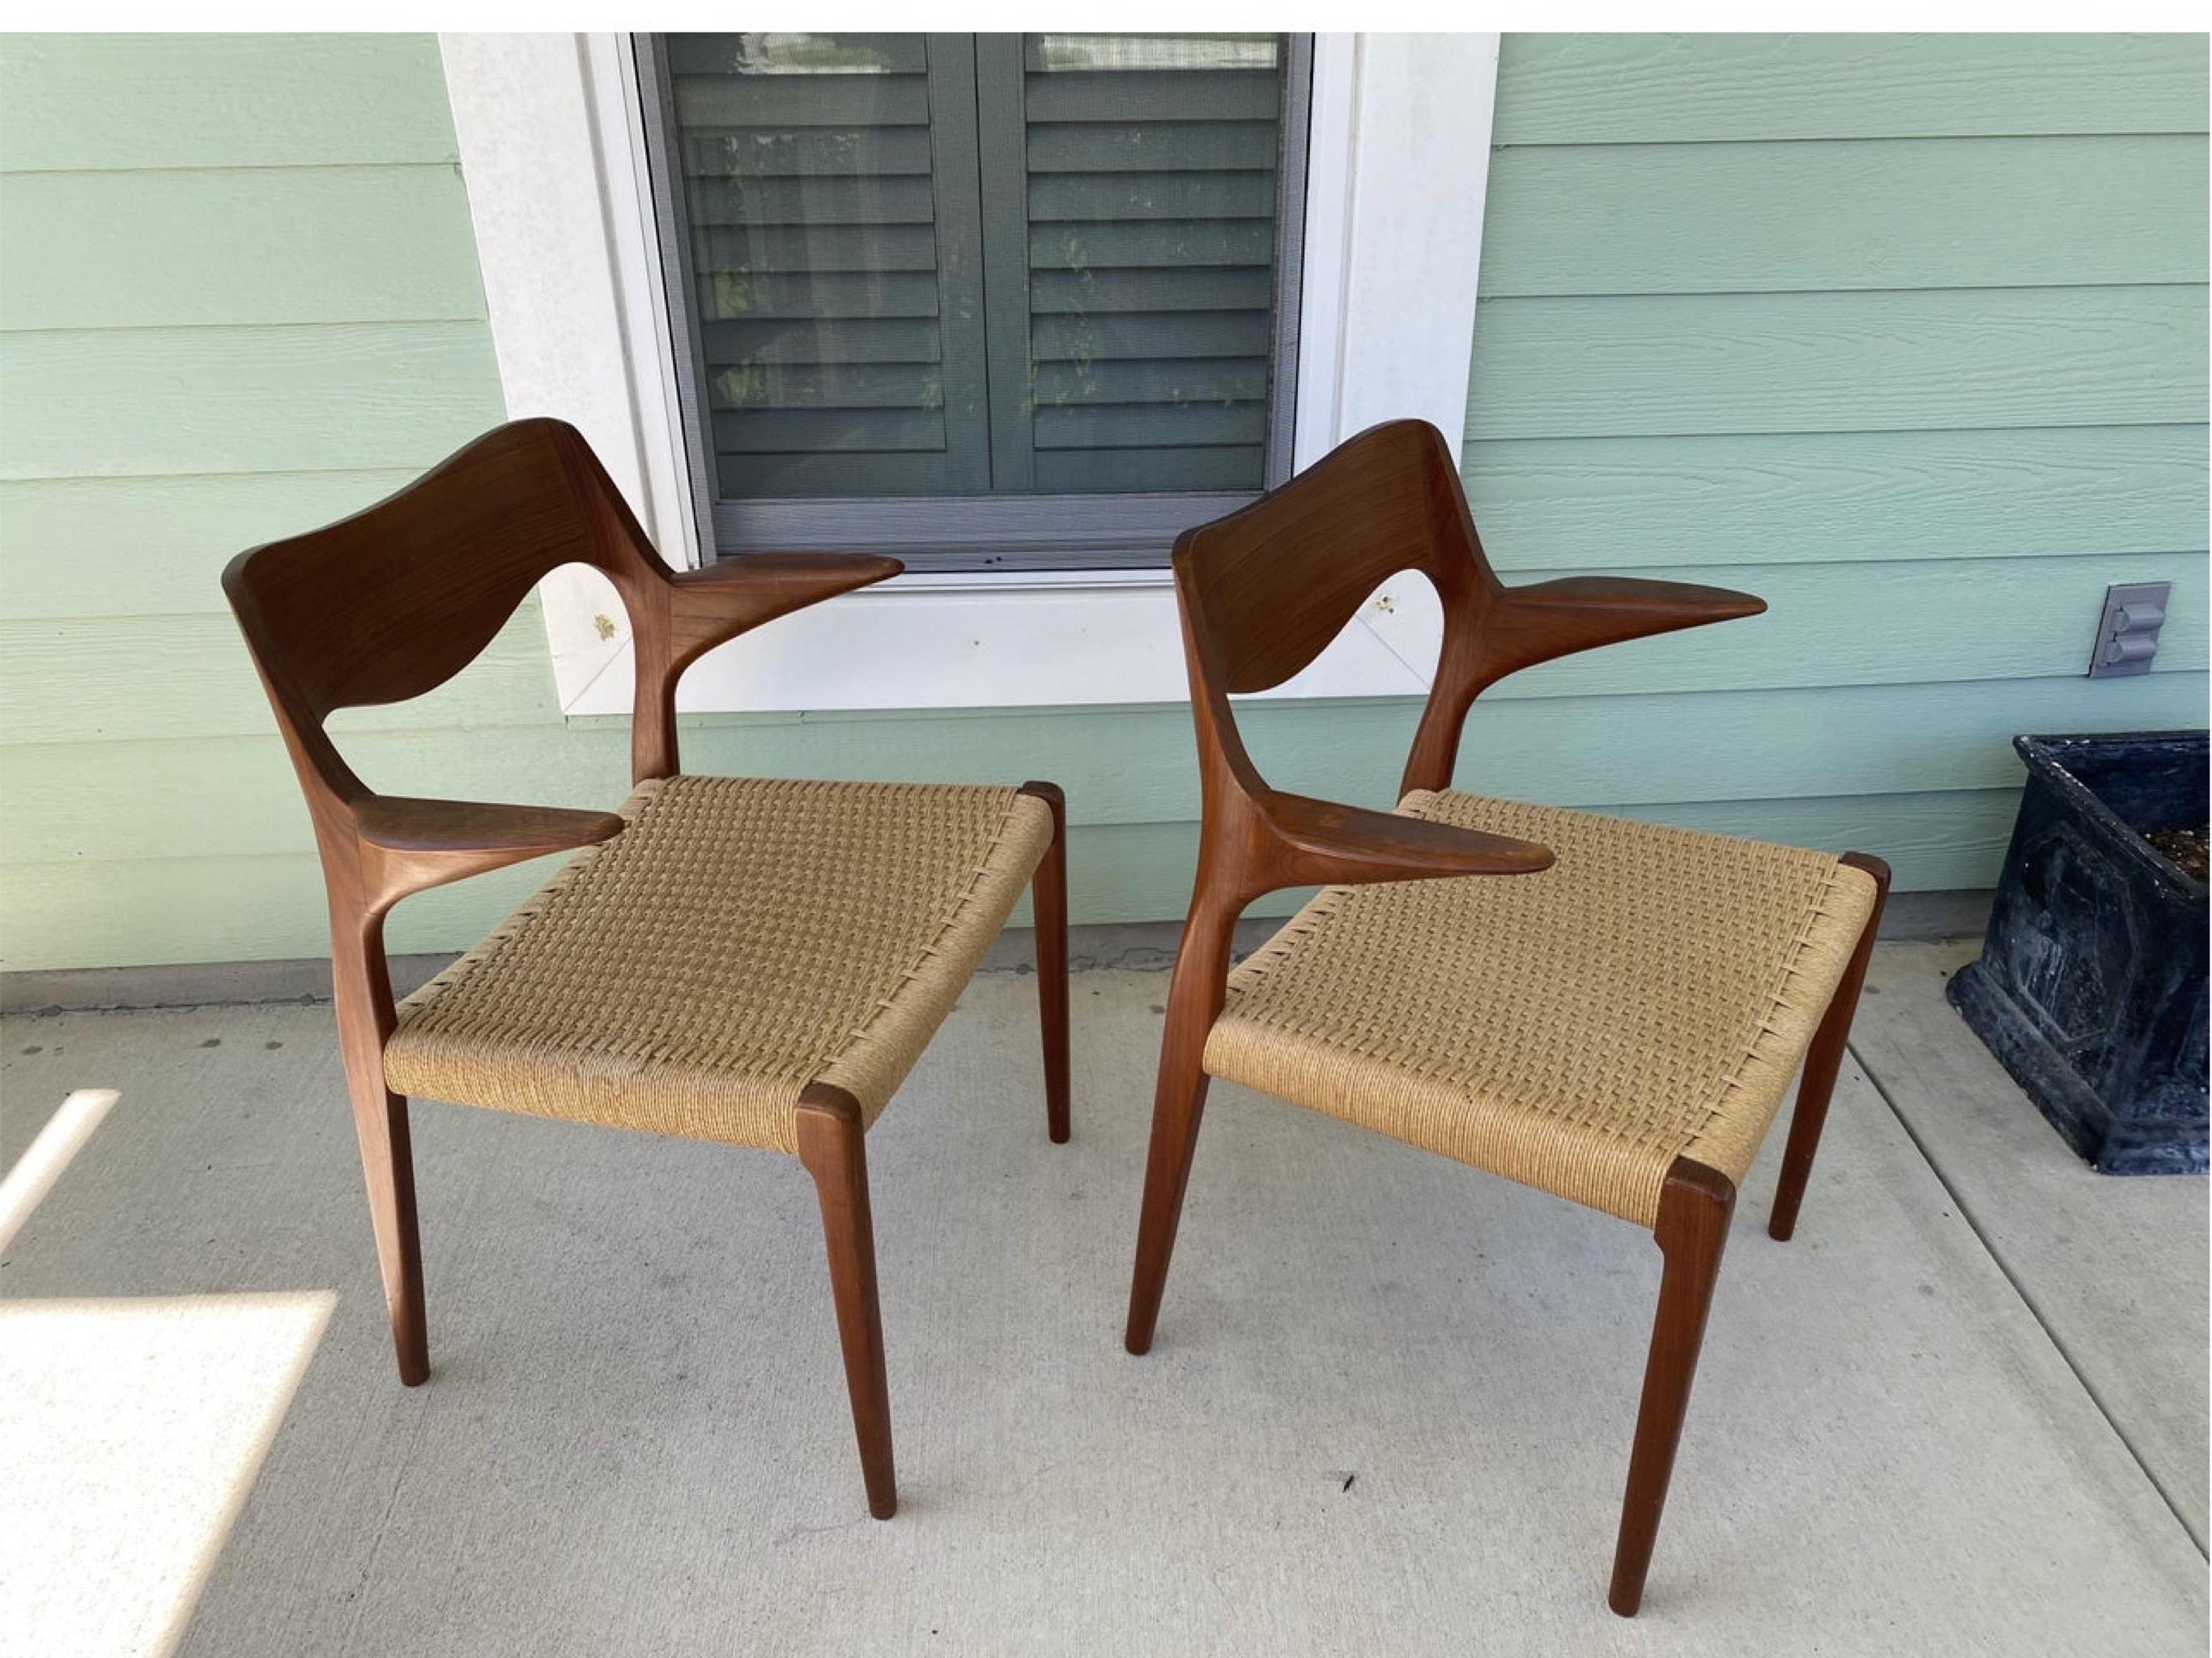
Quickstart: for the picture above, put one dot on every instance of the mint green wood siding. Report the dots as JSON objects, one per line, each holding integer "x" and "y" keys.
{"x": 1906, "y": 334}
{"x": 238, "y": 298}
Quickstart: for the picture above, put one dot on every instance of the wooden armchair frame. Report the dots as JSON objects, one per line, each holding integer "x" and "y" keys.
{"x": 390, "y": 603}
{"x": 1262, "y": 593}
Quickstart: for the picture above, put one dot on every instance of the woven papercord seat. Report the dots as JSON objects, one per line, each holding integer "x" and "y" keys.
{"x": 1646, "y": 998}
{"x": 741, "y": 938}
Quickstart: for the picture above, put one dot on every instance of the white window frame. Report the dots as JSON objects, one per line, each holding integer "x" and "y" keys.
{"x": 553, "y": 155}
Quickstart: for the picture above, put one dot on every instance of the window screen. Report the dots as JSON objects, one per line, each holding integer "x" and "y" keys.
{"x": 835, "y": 267}
{"x": 1149, "y": 185}
{"x": 980, "y": 268}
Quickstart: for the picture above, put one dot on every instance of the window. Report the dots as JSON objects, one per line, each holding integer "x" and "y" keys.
{"x": 984, "y": 300}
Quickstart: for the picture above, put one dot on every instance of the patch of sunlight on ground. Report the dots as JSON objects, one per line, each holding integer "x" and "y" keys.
{"x": 44, "y": 1159}
{"x": 131, "y": 1431}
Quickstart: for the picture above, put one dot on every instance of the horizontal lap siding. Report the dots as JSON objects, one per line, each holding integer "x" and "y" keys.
{"x": 1906, "y": 334}
{"x": 1715, "y": 88}
{"x": 239, "y": 297}
{"x": 250, "y": 306}
{"x": 1588, "y": 751}
{"x": 81, "y": 248}
{"x": 1857, "y": 214}
{"x": 70, "y": 102}
{"x": 73, "y": 678}
{"x": 130, "y": 401}
{"x": 1903, "y": 361}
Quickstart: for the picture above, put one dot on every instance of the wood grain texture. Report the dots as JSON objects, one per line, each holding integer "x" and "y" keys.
{"x": 196, "y": 248}
{"x": 1675, "y": 364}
{"x": 1838, "y": 497}
{"x": 1816, "y": 1082}
{"x": 1048, "y": 912}
{"x": 1831, "y": 625}
{"x": 133, "y": 402}
{"x": 833, "y": 1147}
{"x": 67, "y": 803}
{"x": 1261, "y": 593}
{"x": 1692, "y": 1233}
{"x": 1907, "y": 213}
{"x": 78, "y": 101}
{"x": 389, "y": 604}
{"x": 383, "y": 606}
{"x": 1682, "y": 89}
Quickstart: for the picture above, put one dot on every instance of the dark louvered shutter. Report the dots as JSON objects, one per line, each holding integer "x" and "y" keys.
{"x": 957, "y": 264}
{"x": 833, "y": 266}
{"x": 1150, "y": 191}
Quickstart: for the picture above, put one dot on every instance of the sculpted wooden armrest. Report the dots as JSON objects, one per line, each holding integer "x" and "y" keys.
{"x": 1323, "y": 842}
{"x": 1517, "y": 627}
{"x": 408, "y": 845}
{"x": 722, "y": 600}
{"x": 678, "y": 618}
{"x": 1548, "y": 619}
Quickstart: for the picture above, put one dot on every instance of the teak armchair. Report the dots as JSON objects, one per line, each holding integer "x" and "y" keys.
{"x": 748, "y": 961}
{"x": 1607, "y": 1011}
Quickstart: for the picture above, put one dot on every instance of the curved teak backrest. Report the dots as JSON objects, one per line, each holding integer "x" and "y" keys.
{"x": 395, "y": 600}
{"x": 1264, "y": 590}
{"x": 1269, "y": 586}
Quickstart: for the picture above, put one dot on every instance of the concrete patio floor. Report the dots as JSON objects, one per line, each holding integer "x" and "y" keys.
{"x": 1388, "y": 1413}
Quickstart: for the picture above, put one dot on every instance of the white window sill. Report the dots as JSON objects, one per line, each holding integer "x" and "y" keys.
{"x": 982, "y": 641}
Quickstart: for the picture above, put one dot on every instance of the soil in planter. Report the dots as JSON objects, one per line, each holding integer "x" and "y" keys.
{"x": 2185, "y": 847}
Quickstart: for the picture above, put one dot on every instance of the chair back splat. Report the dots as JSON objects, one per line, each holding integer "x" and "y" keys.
{"x": 394, "y": 601}
{"x": 1265, "y": 590}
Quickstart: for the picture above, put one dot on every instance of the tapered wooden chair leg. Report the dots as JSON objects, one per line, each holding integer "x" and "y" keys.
{"x": 1823, "y": 1059}
{"x": 360, "y": 995}
{"x": 832, "y": 1145}
{"x": 1692, "y": 1230}
{"x": 1176, "y": 1109}
{"x": 387, "y": 1166}
{"x": 1048, "y": 906}
{"x": 1194, "y": 997}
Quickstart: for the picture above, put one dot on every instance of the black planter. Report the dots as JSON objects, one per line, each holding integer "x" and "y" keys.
{"x": 2090, "y": 988}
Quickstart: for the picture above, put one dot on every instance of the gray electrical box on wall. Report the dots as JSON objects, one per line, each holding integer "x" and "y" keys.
{"x": 2127, "y": 632}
